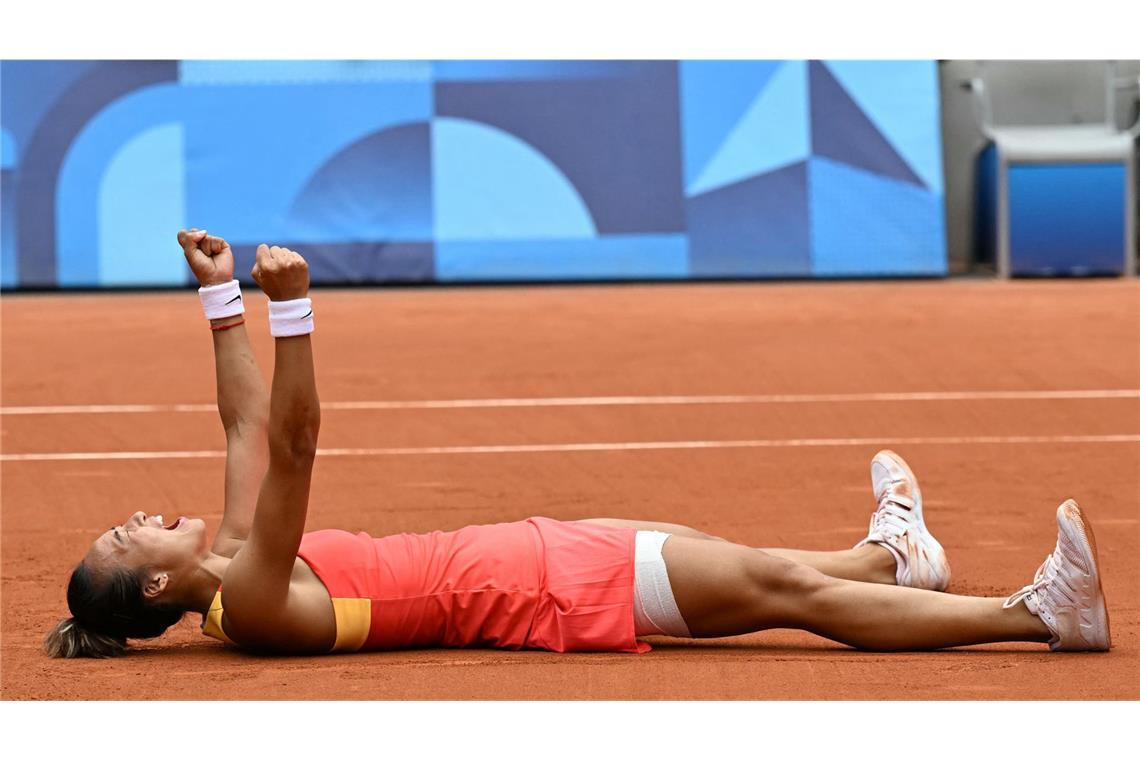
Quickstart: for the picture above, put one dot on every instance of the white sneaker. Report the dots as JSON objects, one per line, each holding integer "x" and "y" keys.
{"x": 1066, "y": 592}
{"x": 897, "y": 524}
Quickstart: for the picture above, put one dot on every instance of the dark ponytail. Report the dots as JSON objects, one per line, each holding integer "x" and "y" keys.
{"x": 70, "y": 639}
{"x": 107, "y": 612}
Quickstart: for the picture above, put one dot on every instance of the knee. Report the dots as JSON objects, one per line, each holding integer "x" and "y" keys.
{"x": 785, "y": 585}
{"x": 782, "y": 576}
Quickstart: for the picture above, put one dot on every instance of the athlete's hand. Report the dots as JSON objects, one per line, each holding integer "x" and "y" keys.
{"x": 281, "y": 273}
{"x": 209, "y": 257}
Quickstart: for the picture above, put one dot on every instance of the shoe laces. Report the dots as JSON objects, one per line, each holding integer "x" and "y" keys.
{"x": 1049, "y": 585}
{"x": 893, "y": 516}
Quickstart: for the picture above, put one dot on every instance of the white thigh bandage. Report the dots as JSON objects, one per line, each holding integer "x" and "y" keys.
{"x": 654, "y": 610}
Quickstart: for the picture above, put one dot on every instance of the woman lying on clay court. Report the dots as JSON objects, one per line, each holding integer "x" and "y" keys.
{"x": 587, "y": 585}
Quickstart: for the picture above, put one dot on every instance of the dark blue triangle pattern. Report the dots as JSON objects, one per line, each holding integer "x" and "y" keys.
{"x": 841, "y": 131}
{"x": 758, "y": 227}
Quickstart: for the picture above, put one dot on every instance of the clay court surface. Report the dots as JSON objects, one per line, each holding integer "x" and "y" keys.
{"x": 746, "y": 410}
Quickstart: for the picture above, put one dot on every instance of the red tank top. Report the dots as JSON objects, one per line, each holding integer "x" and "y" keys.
{"x": 538, "y": 583}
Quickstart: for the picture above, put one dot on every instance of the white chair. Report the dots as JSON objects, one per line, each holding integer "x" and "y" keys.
{"x": 1043, "y": 211}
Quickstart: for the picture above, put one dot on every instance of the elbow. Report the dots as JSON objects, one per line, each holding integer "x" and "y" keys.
{"x": 297, "y": 443}
{"x": 256, "y": 416}
{"x": 295, "y": 452}
{"x": 253, "y": 424}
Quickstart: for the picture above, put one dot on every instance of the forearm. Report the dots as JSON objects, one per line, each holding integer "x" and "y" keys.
{"x": 294, "y": 409}
{"x": 243, "y": 399}
{"x": 294, "y": 422}
{"x": 243, "y": 404}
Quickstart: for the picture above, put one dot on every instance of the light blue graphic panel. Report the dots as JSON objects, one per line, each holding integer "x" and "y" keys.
{"x": 261, "y": 73}
{"x": 251, "y": 150}
{"x": 9, "y": 262}
{"x": 901, "y": 98}
{"x": 140, "y": 206}
{"x": 381, "y": 170}
{"x": 773, "y": 132}
{"x": 864, "y": 224}
{"x": 714, "y": 97}
{"x": 8, "y": 151}
{"x": 612, "y": 257}
{"x": 490, "y": 185}
{"x": 81, "y": 181}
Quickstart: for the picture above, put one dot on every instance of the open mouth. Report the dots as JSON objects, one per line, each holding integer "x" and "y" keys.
{"x": 175, "y": 524}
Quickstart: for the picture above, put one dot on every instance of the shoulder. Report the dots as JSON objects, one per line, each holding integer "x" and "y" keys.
{"x": 305, "y": 624}
{"x": 294, "y": 617}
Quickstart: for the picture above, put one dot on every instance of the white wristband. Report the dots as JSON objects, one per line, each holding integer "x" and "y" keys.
{"x": 289, "y": 318}
{"x": 223, "y": 300}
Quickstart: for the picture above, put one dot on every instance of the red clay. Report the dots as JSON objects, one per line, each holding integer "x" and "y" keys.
{"x": 991, "y": 505}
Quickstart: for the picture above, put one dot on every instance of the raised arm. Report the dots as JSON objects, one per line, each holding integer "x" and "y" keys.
{"x": 257, "y": 581}
{"x": 243, "y": 400}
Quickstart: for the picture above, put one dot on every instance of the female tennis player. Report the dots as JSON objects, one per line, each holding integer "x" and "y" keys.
{"x": 590, "y": 585}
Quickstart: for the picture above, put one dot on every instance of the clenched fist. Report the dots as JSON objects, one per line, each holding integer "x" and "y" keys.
{"x": 209, "y": 257}
{"x": 281, "y": 273}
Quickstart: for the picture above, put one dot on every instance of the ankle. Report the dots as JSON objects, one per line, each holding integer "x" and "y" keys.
{"x": 1030, "y": 627}
{"x": 879, "y": 565}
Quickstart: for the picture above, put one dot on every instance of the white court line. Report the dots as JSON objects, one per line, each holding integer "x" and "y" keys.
{"x": 485, "y": 403}
{"x": 772, "y": 443}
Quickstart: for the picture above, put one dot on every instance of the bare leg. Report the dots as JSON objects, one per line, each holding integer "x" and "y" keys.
{"x": 870, "y": 563}
{"x": 725, "y": 589}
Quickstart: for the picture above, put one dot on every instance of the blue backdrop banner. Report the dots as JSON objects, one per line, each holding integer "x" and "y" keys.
{"x": 403, "y": 171}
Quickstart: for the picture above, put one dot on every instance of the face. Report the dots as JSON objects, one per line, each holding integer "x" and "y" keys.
{"x": 165, "y": 547}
